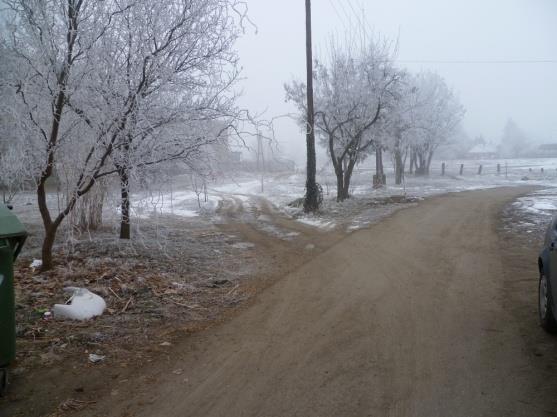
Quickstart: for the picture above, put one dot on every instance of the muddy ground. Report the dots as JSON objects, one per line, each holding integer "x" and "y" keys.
{"x": 177, "y": 277}
{"x": 152, "y": 339}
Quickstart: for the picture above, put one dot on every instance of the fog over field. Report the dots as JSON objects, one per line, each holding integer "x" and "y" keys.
{"x": 218, "y": 217}
{"x": 459, "y": 40}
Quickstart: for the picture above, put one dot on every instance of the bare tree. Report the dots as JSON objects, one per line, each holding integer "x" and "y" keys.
{"x": 87, "y": 79}
{"x": 436, "y": 118}
{"x": 513, "y": 141}
{"x": 176, "y": 66}
{"x": 352, "y": 93}
{"x": 401, "y": 124}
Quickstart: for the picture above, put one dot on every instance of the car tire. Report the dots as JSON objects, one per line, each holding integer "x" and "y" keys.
{"x": 545, "y": 305}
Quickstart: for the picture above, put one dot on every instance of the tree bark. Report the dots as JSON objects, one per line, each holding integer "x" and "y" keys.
{"x": 58, "y": 106}
{"x": 421, "y": 165}
{"x": 341, "y": 194}
{"x": 429, "y": 159}
{"x": 46, "y": 250}
{"x": 399, "y": 167}
{"x": 343, "y": 172}
{"x": 348, "y": 178}
{"x": 125, "y": 232}
{"x": 379, "y": 177}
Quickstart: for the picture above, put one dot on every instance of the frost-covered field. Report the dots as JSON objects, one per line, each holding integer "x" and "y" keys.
{"x": 251, "y": 191}
{"x": 256, "y": 195}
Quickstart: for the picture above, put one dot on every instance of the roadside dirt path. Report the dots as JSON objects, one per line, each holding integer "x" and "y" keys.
{"x": 420, "y": 315}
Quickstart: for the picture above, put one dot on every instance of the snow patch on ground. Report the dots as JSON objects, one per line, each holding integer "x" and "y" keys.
{"x": 178, "y": 203}
{"x": 243, "y": 245}
{"x": 244, "y": 197}
{"x": 532, "y": 214}
{"x": 317, "y": 222}
{"x": 542, "y": 203}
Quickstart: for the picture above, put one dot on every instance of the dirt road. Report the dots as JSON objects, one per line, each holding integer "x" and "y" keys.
{"x": 429, "y": 313}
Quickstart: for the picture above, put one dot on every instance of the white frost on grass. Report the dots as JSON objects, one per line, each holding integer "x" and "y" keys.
{"x": 542, "y": 203}
{"x": 276, "y": 231}
{"x": 243, "y": 245}
{"x": 184, "y": 212}
{"x": 317, "y": 222}
{"x": 178, "y": 203}
{"x": 244, "y": 197}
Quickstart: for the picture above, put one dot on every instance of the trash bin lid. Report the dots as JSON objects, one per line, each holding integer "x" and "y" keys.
{"x": 10, "y": 226}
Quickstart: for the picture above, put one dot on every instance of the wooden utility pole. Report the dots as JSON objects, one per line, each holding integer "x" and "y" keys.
{"x": 258, "y": 152}
{"x": 261, "y": 159}
{"x": 311, "y": 202}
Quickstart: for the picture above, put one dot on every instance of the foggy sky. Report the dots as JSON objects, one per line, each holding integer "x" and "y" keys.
{"x": 428, "y": 30}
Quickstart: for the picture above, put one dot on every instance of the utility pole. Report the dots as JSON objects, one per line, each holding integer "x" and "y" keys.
{"x": 261, "y": 159}
{"x": 258, "y": 152}
{"x": 311, "y": 202}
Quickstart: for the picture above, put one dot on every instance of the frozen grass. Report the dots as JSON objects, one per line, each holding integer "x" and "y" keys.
{"x": 247, "y": 193}
{"x": 249, "y": 190}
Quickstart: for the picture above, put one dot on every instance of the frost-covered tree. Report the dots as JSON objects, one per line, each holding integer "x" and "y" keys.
{"x": 513, "y": 141}
{"x": 100, "y": 84}
{"x": 352, "y": 91}
{"x": 437, "y": 117}
{"x": 173, "y": 71}
{"x": 400, "y": 124}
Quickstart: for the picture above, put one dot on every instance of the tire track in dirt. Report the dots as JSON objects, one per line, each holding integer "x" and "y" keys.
{"x": 407, "y": 318}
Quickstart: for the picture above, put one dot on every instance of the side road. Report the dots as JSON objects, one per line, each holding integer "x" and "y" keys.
{"x": 423, "y": 314}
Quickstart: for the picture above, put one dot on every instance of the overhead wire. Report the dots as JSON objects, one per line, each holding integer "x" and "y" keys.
{"x": 464, "y": 61}
{"x": 350, "y": 14}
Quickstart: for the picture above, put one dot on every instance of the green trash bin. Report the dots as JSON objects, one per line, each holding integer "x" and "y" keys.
{"x": 12, "y": 237}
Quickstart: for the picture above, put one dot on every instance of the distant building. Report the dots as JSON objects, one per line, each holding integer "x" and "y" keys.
{"x": 547, "y": 150}
{"x": 483, "y": 151}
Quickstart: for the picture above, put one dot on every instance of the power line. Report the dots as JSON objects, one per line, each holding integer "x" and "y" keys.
{"x": 358, "y": 19}
{"x": 464, "y": 61}
{"x": 340, "y": 18}
{"x": 346, "y": 14}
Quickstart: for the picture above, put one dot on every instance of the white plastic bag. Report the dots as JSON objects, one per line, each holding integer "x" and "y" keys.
{"x": 83, "y": 305}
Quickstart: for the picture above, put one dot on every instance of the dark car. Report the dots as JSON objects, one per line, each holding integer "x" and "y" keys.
{"x": 547, "y": 263}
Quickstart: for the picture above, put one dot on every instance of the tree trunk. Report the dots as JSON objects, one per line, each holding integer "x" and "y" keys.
{"x": 428, "y": 164}
{"x": 125, "y": 232}
{"x": 46, "y": 251}
{"x": 340, "y": 184}
{"x": 57, "y": 111}
{"x": 343, "y": 172}
{"x": 379, "y": 179}
{"x": 399, "y": 167}
{"x": 50, "y": 231}
{"x": 421, "y": 168}
{"x": 348, "y": 178}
